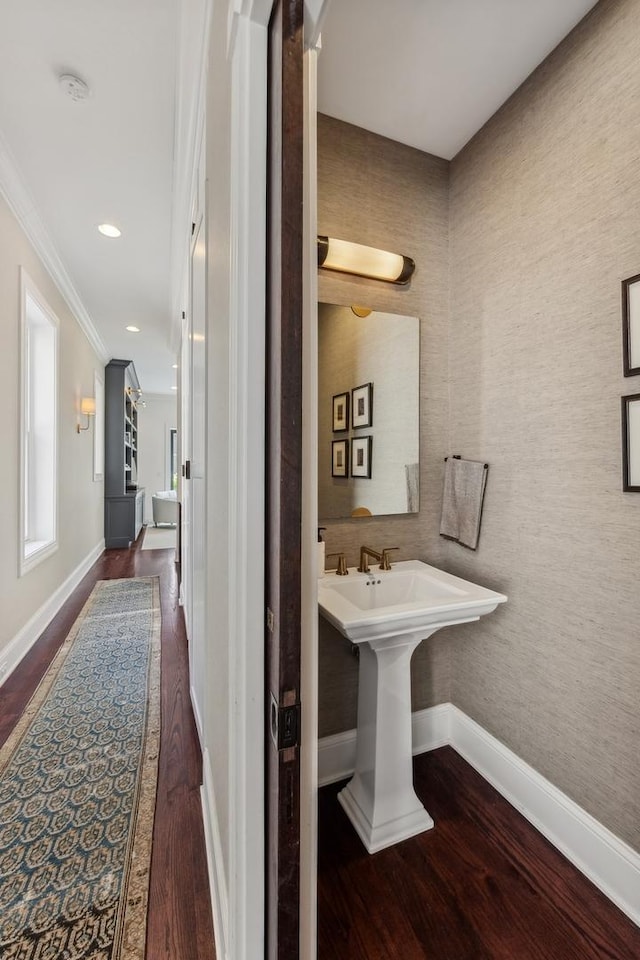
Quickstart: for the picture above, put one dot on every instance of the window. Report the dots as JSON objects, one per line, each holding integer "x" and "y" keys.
{"x": 39, "y": 427}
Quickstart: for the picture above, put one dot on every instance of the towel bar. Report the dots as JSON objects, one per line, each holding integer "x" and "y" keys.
{"x": 456, "y": 456}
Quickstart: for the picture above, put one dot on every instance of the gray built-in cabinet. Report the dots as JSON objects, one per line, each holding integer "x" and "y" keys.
{"x": 123, "y": 499}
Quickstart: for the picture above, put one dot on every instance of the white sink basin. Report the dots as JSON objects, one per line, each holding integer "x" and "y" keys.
{"x": 388, "y": 613}
{"x": 409, "y": 597}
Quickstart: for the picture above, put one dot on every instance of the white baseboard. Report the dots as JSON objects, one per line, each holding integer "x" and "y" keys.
{"x": 196, "y": 716}
{"x": 215, "y": 861}
{"x": 336, "y": 757}
{"x": 431, "y": 728}
{"x": 22, "y": 642}
{"x": 612, "y": 865}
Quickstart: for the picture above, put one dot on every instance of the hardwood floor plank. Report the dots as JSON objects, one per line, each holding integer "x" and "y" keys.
{"x": 483, "y": 885}
{"x": 179, "y": 923}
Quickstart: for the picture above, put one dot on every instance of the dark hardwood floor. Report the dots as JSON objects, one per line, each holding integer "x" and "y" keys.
{"x": 180, "y": 925}
{"x": 483, "y": 885}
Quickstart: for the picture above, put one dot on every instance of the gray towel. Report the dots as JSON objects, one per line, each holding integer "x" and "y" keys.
{"x": 464, "y": 484}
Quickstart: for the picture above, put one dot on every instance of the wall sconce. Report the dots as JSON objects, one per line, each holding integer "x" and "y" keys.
{"x": 87, "y": 409}
{"x": 347, "y": 257}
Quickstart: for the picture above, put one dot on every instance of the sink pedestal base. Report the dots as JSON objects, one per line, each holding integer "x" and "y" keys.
{"x": 379, "y": 799}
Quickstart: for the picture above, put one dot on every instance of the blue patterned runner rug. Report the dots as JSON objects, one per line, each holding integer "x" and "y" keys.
{"x": 78, "y": 785}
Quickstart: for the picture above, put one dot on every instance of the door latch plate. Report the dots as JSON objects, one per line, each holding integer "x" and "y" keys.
{"x": 285, "y": 725}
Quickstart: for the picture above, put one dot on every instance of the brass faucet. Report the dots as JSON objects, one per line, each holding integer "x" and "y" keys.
{"x": 365, "y": 553}
{"x": 386, "y": 563}
{"x": 382, "y": 558}
{"x": 342, "y": 569}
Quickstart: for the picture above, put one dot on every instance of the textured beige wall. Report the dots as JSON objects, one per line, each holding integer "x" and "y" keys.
{"x": 80, "y": 500}
{"x": 545, "y": 222}
{"x": 381, "y": 193}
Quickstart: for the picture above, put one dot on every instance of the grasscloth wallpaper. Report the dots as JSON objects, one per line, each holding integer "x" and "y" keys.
{"x": 545, "y": 222}
{"x": 381, "y": 193}
{"x": 521, "y": 244}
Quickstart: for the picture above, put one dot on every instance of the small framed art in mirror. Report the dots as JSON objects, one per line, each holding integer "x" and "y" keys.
{"x": 340, "y": 412}
{"x": 631, "y": 443}
{"x": 340, "y": 458}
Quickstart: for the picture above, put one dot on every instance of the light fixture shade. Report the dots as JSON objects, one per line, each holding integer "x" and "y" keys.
{"x": 88, "y": 406}
{"x": 347, "y": 257}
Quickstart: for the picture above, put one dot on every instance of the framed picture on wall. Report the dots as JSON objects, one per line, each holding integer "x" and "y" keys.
{"x": 362, "y": 406}
{"x": 340, "y": 458}
{"x": 631, "y": 443}
{"x": 340, "y": 412}
{"x": 631, "y": 325}
{"x": 361, "y": 456}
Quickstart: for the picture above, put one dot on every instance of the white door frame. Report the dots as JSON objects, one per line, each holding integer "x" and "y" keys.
{"x": 244, "y": 907}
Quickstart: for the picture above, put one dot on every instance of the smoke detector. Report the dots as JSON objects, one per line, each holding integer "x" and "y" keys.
{"x": 74, "y": 87}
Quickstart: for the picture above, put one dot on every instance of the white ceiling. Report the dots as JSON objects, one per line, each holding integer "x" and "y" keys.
{"x": 425, "y": 72}
{"x": 430, "y": 73}
{"x": 108, "y": 159}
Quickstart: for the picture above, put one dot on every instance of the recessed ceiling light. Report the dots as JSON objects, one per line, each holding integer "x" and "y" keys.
{"x": 133, "y": 329}
{"x": 174, "y": 388}
{"x": 175, "y": 366}
{"x": 108, "y": 230}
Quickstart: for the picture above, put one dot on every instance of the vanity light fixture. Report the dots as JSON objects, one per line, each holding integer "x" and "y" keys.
{"x": 88, "y": 410}
{"x": 347, "y": 257}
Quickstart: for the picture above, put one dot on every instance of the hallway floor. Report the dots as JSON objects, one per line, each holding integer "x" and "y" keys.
{"x": 180, "y": 925}
{"x": 482, "y": 885}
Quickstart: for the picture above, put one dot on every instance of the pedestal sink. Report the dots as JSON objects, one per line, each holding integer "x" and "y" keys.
{"x": 388, "y": 613}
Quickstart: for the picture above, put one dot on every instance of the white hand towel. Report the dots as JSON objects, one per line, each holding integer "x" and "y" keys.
{"x": 462, "y": 499}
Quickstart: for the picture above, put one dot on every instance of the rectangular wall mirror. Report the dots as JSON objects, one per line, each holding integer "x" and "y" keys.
{"x": 368, "y": 400}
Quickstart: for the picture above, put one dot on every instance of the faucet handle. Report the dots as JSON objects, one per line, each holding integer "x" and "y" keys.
{"x": 386, "y": 563}
{"x": 342, "y": 570}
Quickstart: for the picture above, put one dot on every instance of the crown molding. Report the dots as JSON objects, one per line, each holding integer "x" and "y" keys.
{"x": 18, "y": 197}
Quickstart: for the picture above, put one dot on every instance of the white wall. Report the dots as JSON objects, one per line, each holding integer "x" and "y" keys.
{"x": 80, "y": 499}
{"x": 155, "y": 420}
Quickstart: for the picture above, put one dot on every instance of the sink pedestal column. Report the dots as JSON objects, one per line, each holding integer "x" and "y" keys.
{"x": 380, "y": 800}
